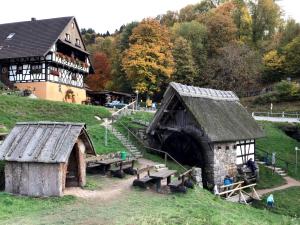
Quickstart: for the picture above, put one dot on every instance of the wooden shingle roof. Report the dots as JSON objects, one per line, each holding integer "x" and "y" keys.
{"x": 31, "y": 38}
{"x": 47, "y": 142}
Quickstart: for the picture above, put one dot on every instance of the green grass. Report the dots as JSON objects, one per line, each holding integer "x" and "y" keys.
{"x": 197, "y": 207}
{"x": 10, "y": 205}
{"x": 287, "y": 202}
{"x": 268, "y": 179}
{"x": 19, "y": 109}
{"x": 277, "y": 141}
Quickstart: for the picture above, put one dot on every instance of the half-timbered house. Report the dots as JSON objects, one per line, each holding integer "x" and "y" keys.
{"x": 205, "y": 128}
{"x": 46, "y": 56}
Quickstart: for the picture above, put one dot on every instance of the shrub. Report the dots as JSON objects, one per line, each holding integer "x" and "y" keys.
{"x": 285, "y": 88}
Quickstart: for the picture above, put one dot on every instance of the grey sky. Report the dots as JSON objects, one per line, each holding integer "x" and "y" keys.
{"x": 104, "y": 15}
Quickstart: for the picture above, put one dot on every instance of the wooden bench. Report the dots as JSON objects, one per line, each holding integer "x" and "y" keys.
{"x": 146, "y": 180}
{"x": 121, "y": 168}
{"x": 182, "y": 183}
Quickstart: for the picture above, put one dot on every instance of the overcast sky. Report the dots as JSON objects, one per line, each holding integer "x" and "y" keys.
{"x": 104, "y": 15}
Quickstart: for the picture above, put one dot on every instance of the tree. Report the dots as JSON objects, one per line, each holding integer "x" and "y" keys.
{"x": 120, "y": 81}
{"x": 292, "y": 57}
{"x": 168, "y": 19}
{"x": 265, "y": 17}
{"x": 290, "y": 31}
{"x": 184, "y": 71}
{"x": 196, "y": 35}
{"x": 98, "y": 81}
{"x": 273, "y": 66}
{"x": 242, "y": 20}
{"x": 148, "y": 62}
{"x": 236, "y": 67}
{"x": 220, "y": 27}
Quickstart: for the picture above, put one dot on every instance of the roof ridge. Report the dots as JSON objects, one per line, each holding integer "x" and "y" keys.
{"x": 38, "y": 20}
{"x": 193, "y": 91}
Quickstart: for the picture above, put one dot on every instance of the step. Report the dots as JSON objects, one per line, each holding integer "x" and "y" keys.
{"x": 283, "y": 174}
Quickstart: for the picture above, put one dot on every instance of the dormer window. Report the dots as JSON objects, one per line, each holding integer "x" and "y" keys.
{"x": 10, "y": 36}
{"x": 77, "y": 42}
{"x": 68, "y": 37}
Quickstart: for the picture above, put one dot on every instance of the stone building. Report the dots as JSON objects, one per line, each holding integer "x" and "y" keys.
{"x": 43, "y": 158}
{"x": 205, "y": 128}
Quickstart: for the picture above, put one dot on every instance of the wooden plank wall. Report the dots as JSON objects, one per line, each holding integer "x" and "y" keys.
{"x": 33, "y": 179}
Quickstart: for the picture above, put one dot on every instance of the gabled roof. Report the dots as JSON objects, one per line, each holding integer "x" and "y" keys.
{"x": 218, "y": 113}
{"x": 31, "y": 38}
{"x": 47, "y": 142}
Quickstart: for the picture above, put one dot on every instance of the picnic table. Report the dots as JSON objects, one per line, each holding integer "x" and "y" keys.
{"x": 105, "y": 164}
{"x": 160, "y": 175}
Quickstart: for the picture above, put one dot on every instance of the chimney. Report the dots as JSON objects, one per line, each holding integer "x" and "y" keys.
{"x": 33, "y": 19}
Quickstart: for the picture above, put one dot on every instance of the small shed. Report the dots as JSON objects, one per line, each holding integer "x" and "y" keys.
{"x": 42, "y": 158}
{"x": 206, "y": 128}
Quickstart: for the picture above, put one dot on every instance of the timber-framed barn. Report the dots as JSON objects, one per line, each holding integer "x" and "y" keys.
{"x": 205, "y": 128}
{"x": 47, "y": 57}
{"x": 43, "y": 158}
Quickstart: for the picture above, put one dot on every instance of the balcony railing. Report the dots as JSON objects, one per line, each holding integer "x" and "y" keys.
{"x": 69, "y": 61}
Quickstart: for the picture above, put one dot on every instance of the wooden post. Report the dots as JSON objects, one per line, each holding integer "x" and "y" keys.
{"x": 166, "y": 158}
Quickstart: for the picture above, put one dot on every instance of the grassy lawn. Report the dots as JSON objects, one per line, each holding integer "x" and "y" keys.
{"x": 277, "y": 141}
{"x": 287, "y": 202}
{"x": 19, "y": 109}
{"x": 268, "y": 179}
{"x": 136, "y": 207}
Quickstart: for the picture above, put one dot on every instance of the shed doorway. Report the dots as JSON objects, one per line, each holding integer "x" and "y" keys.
{"x": 187, "y": 151}
{"x": 72, "y": 173}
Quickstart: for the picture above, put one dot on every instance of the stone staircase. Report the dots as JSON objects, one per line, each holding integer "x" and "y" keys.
{"x": 277, "y": 170}
{"x": 131, "y": 148}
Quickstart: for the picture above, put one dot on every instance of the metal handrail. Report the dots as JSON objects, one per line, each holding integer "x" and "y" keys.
{"x": 287, "y": 163}
{"x": 152, "y": 149}
{"x": 272, "y": 114}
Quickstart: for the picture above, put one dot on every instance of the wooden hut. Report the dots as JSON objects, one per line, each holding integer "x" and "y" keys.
{"x": 205, "y": 128}
{"x": 42, "y": 158}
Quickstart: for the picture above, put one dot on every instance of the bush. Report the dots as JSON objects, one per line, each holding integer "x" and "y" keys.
{"x": 266, "y": 98}
{"x": 285, "y": 88}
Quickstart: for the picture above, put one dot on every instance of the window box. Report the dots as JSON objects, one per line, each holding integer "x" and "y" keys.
{"x": 54, "y": 72}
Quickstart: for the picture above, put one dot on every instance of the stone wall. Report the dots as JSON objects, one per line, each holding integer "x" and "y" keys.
{"x": 224, "y": 161}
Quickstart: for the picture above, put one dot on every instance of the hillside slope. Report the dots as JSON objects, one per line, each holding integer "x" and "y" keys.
{"x": 19, "y": 109}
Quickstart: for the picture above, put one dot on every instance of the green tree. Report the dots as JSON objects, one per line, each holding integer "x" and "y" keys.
{"x": 292, "y": 57}
{"x": 148, "y": 62}
{"x": 184, "y": 71}
{"x": 265, "y": 19}
{"x": 168, "y": 19}
{"x": 195, "y": 33}
{"x": 242, "y": 20}
{"x": 290, "y": 31}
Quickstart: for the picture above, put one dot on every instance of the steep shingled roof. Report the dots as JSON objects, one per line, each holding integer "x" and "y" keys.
{"x": 31, "y": 38}
{"x": 47, "y": 142}
{"x": 218, "y": 113}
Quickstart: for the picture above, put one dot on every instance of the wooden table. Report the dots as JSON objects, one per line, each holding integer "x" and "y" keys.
{"x": 160, "y": 175}
{"x": 105, "y": 164}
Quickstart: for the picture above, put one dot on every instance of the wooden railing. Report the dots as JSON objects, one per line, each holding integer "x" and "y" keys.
{"x": 281, "y": 114}
{"x": 125, "y": 110}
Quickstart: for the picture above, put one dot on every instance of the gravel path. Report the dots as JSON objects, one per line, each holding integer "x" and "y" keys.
{"x": 290, "y": 182}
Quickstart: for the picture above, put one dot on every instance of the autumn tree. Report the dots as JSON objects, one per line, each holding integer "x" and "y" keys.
{"x": 236, "y": 67}
{"x": 220, "y": 27}
{"x": 184, "y": 71}
{"x": 290, "y": 31}
{"x": 168, "y": 19}
{"x": 148, "y": 62}
{"x": 273, "y": 66}
{"x": 102, "y": 75}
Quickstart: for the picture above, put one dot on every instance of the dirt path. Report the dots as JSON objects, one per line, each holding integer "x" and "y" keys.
{"x": 108, "y": 193}
{"x": 290, "y": 182}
